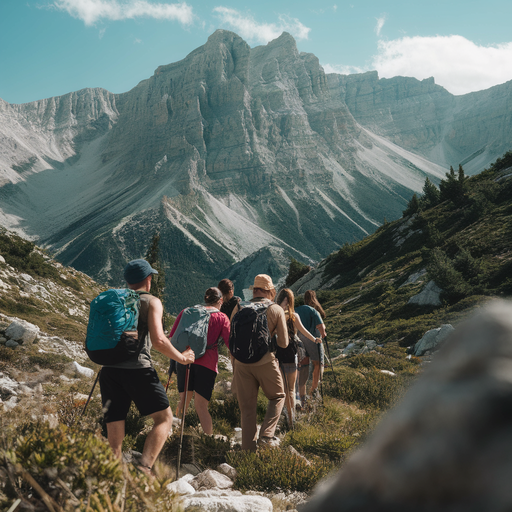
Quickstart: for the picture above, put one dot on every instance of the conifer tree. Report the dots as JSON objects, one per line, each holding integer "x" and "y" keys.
{"x": 431, "y": 194}
{"x": 412, "y": 206}
{"x": 153, "y": 258}
{"x": 454, "y": 187}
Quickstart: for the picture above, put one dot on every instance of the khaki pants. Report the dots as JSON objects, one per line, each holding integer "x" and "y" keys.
{"x": 247, "y": 379}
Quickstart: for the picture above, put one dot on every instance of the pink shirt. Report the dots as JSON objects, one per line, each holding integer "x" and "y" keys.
{"x": 218, "y": 328}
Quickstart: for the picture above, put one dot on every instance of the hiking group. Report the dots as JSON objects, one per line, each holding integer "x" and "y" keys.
{"x": 270, "y": 343}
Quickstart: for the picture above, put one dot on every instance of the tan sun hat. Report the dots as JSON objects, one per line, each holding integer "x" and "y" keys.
{"x": 263, "y": 282}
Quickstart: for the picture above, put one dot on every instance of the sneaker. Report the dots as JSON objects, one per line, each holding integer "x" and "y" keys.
{"x": 268, "y": 442}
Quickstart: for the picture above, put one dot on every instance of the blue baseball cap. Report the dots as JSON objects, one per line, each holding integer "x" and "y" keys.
{"x": 137, "y": 270}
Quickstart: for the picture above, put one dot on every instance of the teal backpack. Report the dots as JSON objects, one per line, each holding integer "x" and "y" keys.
{"x": 192, "y": 331}
{"x": 112, "y": 329}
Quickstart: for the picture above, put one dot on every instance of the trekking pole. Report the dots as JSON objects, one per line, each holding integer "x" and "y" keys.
{"x": 178, "y": 460}
{"x": 292, "y": 409}
{"x": 330, "y": 360}
{"x": 90, "y": 394}
{"x": 320, "y": 373}
{"x": 168, "y": 382}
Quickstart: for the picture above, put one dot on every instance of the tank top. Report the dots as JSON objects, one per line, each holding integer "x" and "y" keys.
{"x": 287, "y": 355}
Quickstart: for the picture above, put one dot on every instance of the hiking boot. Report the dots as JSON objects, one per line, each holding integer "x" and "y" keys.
{"x": 268, "y": 442}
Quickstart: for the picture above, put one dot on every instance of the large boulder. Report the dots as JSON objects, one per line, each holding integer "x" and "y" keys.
{"x": 448, "y": 445}
{"x": 432, "y": 340}
{"x": 22, "y": 332}
{"x": 429, "y": 296}
{"x": 225, "y": 501}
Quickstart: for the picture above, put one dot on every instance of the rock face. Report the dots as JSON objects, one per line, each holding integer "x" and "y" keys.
{"x": 227, "y": 152}
{"x": 446, "y": 447}
{"x": 422, "y": 117}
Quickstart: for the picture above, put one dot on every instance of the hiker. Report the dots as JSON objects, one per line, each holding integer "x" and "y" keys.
{"x": 263, "y": 372}
{"x": 230, "y": 300}
{"x": 203, "y": 371}
{"x": 135, "y": 379}
{"x": 288, "y": 357}
{"x": 311, "y": 315}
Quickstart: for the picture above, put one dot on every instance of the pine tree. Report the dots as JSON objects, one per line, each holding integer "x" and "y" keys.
{"x": 153, "y": 258}
{"x": 454, "y": 187}
{"x": 412, "y": 206}
{"x": 431, "y": 194}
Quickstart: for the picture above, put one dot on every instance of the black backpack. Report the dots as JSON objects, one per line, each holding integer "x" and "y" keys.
{"x": 249, "y": 339}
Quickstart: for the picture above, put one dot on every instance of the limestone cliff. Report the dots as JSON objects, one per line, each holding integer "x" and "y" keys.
{"x": 226, "y": 152}
{"x": 422, "y": 117}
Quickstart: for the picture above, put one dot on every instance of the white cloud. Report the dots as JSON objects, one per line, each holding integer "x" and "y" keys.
{"x": 380, "y": 24}
{"x": 334, "y": 7}
{"x": 342, "y": 70}
{"x": 91, "y": 11}
{"x": 251, "y": 30}
{"x": 456, "y": 63}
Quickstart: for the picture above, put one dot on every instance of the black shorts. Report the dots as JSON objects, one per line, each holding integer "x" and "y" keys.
{"x": 201, "y": 380}
{"x": 121, "y": 386}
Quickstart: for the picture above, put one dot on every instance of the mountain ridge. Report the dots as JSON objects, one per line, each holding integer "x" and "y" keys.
{"x": 228, "y": 151}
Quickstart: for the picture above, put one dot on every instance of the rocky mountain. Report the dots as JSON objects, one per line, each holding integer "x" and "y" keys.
{"x": 422, "y": 117}
{"x": 225, "y": 153}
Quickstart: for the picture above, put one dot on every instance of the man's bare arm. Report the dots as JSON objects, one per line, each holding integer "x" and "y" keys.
{"x": 159, "y": 340}
{"x": 321, "y": 330}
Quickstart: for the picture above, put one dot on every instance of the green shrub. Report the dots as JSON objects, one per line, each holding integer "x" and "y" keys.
{"x": 275, "y": 469}
{"x": 211, "y": 451}
{"x": 372, "y": 389}
{"x": 327, "y": 443}
{"x": 296, "y": 271}
{"x": 441, "y": 269}
{"x": 80, "y": 459}
{"x": 72, "y": 469}
{"x": 225, "y": 409}
{"x": 56, "y": 362}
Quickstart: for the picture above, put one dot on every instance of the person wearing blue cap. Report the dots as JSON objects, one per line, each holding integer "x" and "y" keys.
{"x": 135, "y": 379}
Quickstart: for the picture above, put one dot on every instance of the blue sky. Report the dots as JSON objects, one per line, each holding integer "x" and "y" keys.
{"x": 52, "y": 47}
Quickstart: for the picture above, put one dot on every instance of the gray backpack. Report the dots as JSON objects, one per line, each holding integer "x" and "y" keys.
{"x": 192, "y": 330}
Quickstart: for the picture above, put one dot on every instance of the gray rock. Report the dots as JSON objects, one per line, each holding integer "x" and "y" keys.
{"x": 211, "y": 479}
{"x": 3, "y": 340}
{"x": 429, "y": 296}
{"x": 11, "y": 344}
{"x": 432, "y": 339}
{"x": 225, "y": 501}
{"x": 22, "y": 332}
{"x": 8, "y": 386}
{"x": 180, "y": 487}
{"x": 414, "y": 278}
{"x": 448, "y": 446}
{"x": 227, "y": 470}
{"x": 2, "y": 259}
{"x": 10, "y": 404}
